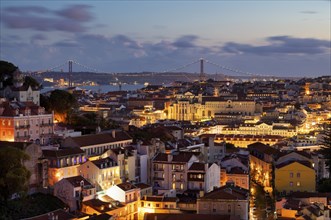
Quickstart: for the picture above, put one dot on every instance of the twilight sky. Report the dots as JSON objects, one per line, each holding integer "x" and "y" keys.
{"x": 281, "y": 38}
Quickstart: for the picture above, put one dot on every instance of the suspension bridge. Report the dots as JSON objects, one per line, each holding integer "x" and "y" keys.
{"x": 230, "y": 71}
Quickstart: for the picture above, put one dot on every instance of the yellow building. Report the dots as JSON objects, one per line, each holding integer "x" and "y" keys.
{"x": 157, "y": 204}
{"x": 243, "y": 140}
{"x": 207, "y": 107}
{"x": 295, "y": 176}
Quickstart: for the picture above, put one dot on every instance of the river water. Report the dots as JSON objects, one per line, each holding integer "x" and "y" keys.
{"x": 101, "y": 88}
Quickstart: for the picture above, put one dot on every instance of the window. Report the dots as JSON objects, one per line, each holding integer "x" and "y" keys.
{"x": 291, "y": 184}
{"x": 291, "y": 175}
{"x": 173, "y": 185}
{"x": 298, "y": 184}
{"x": 298, "y": 175}
{"x": 157, "y": 205}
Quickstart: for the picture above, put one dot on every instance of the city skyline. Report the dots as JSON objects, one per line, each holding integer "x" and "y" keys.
{"x": 287, "y": 38}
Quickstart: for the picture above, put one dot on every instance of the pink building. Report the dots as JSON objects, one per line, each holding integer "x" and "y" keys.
{"x": 25, "y": 122}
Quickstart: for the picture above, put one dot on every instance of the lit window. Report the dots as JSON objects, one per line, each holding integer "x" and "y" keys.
{"x": 298, "y": 184}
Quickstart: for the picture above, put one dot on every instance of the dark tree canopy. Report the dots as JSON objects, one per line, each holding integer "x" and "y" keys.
{"x": 6, "y": 75}
{"x": 6, "y": 67}
{"x": 30, "y": 81}
{"x": 14, "y": 176}
{"x": 62, "y": 101}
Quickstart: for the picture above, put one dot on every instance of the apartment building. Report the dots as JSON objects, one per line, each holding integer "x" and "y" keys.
{"x": 25, "y": 122}
{"x": 97, "y": 144}
{"x": 203, "y": 177}
{"x": 63, "y": 163}
{"x": 73, "y": 191}
{"x": 227, "y": 200}
{"x": 171, "y": 171}
{"x": 129, "y": 194}
{"x": 102, "y": 173}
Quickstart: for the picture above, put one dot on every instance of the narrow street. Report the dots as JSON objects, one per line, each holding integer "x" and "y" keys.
{"x": 261, "y": 203}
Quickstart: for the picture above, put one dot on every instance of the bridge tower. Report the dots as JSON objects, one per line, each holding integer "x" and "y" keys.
{"x": 202, "y": 76}
{"x": 70, "y": 73}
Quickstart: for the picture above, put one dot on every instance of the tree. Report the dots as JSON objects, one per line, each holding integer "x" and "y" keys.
{"x": 6, "y": 70}
{"x": 326, "y": 145}
{"x": 30, "y": 81}
{"x": 14, "y": 176}
{"x": 62, "y": 103}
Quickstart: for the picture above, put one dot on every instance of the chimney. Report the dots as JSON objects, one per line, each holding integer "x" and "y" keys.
{"x": 113, "y": 133}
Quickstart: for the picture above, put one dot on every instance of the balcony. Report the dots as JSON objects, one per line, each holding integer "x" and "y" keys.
{"x": 158, "y": 169}
{"x": 22, "y": 127}
{"x": 158, "y": 178}
{"x": 180, "y": 180}
{"x": 177, "y": 170}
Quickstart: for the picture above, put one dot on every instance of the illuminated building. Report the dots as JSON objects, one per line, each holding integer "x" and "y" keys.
{"x": 279, "y": 129}
{"x": 203, "y": 177}
{"x": 243, "y": 140}
{"x": 25, "y": 122}
{"x": 261, "y": 159}
{"x": 171, "y": 171}
{"x": 96, "y": 144}
{"x": 292, "y": 176}
{"x": 103, "y": 173}
{"x": 207, "y": 107}
{"x": 227, "y": 200}
{"x": 129, "y": 194}
{"x": 157, "y": 204}
{"x": 63, "y": 163}
{"x": 73, "y": 191}
{"x": 234, "y": 169}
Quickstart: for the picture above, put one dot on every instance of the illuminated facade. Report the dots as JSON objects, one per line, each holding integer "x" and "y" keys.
{"x": 171, "y": 171}
{"x": 261, "y": 160}
{"x": 73, "y": 191}
{"x": 203, "y": 177}
{"x": 206, "y": 108}
{"x": 295, "y": 176}
{"x": 226, "y": 200}
{"x": 103, "y": 173}
{"x": 96, "y": 144}
{"x": 129, "y": 194}
{"x": 276, "y": 129}
{"x": 25, "y": 122}
{"x": 63, "y": 163}
{"x": 243, "y": 140}
{"x": 157, "y": 204}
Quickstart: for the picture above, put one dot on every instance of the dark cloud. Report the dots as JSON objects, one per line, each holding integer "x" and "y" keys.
{"x": 39, "y": 37}
{"x": 65, "y": 44}
{"x": 308, "y": 12}
{"x": 186, "y": 41}
{"x": 123, "y": 53}
{"x": 76, "y": 13}
{"x": 26, "y": 9}
{"x": 71, "y": 19}
{"x": 281, "y": 45}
